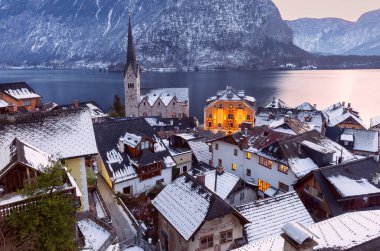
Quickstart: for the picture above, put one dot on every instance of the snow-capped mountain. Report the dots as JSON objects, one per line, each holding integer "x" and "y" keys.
{"x": 168, "y": 33}
{"x": 337, "y": 36}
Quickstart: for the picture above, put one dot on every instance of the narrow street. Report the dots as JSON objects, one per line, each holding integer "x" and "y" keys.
{"x": 120, "y": 220}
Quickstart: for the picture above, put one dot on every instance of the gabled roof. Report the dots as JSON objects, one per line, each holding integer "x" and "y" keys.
{"x": 343, "y": 232}
{"x": 375, "y": 121}
{"x": 166, "y": 95}
{"x": 306, "y": 106}
{"x": 338, "y": 113}
{"x": 186, "y": 205}
{"x": 18, "y": 90}
{"x": 63, "y": 134}
{"x": 267, "y": 216}
{"x": 93, "y": 106}
{"x": 290, "y": 126}
{"x": 22, "y": 153}
{"x": 120, "y": 165}
{"x": 277, "y": 103}
{"x": 231, "y": 94}
{"x": 3, "y": 104}
{"x": 292, "y": 150}
{"x": 226, "y": 182}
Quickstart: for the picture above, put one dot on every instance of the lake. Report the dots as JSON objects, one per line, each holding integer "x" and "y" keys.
{"x": 322, "y": 87}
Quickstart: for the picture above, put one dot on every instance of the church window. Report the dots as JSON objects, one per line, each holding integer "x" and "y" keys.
{"x": 159, "y": 103}
{"x": 130, "y": 85}
{"x": 144, "y": 104}
{"x": 173, "y": 103}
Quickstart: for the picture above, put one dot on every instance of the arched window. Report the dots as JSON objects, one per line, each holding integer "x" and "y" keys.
{"x": 159, "y": 103}
{"x": 210, "y": 115}
{"x": 130, "y": 85}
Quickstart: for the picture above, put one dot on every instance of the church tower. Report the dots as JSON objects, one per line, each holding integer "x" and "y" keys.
{"x": 131, "y": 78}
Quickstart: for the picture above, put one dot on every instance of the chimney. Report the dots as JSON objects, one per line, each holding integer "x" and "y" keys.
{"x": 76, "y": 104}
{"x": 376, "y": 157}
{"x": 297, "y": 237}
{"x": 349, "y": 105}
{"x": 343, "y": 103}
{"x": 219, "y": 170}
{"x": 315, "y": 106}
{"x": 201, "y": 178}
{"x": 120, "y": 144}
{"x": 375, "y": 178}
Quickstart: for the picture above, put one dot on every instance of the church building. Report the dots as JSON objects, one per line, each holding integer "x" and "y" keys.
{"x": 163, "y": 102}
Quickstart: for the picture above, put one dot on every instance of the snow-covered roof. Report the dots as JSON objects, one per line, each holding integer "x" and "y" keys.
{"x": 316, "y": 147}
{"x": 119, "y": 174}
{"x": 186, "y": 136}
{"x": 305, "y": 106}
{"x": 22, "y": 93}
{"x": 375, "y": 121}
{"x": 186, "y": 204}
{"x": 364, "y": 140}
{"x": 297, "y": 232}
{"x": 62, "y": 134}
{"x": 302, "y": 166}
{"x": 132, "y": 139}
{"x": 342, "y": 232}
{"x": 337, "y": 113}
{"x": 268, "y": 216}
{"x": 230, "y": 94}
{"x": 277, "y": 103}
{"x": 226, "y": 182}
{"x": 349, "y": 187}
{"x": 3, "y": 103}
{"x": 200, "y": 150}
{"x": 165, "y": 95}
{"x": 96, "y": 112}
{"x": 94, "y": 235}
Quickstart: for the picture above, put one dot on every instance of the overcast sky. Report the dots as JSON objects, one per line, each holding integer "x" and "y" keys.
{"x": 347, "y": 9}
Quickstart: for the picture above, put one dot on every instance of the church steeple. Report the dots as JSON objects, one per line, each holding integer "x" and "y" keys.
{"x": 131, "y": 55}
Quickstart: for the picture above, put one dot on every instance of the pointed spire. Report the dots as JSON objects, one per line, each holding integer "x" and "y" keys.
{"x": 131, "y": 55}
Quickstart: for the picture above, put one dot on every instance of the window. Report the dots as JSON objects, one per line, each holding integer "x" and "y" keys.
{"x": 210, "y": 116}
{"x": 159, "y": 103}
{"x": 219, "y": 162}
{"x": 242, "y": 195}
{"x": 233, "y": 166}
{"x": 127, "y": 190}
{"x": 207, "y": 242}
{"x": 231, "y": 125}
{"x": 219, "y": 124}
{"x": 174, "y": 115}
{"x": 231, "y": 106}
{"x": 161, "y": 181}
{"x": 210, "y": 124}
{"x": 145, "y": 145}
{"x": 144, "y": 103}
{"x": 248, "y": 117}
{"x": 26, "y": 103}
{"x": 216, "y": 146}
{"x": 265, "y": 162}
{"x": 282, "y": 168}
{"x": 235, "y": 152}
{"x": 230, "y": 116}
{"x": 248, "y": 172}
{"x": 173, "y": 103}
{"x": 248, "y": 155}
{"x": 131, "y": 85}
{"x": 263, "y": 186}
{"x": 159, "y": 114}
{"x": 283, "y": 187}
{"x": 225, "y": 236}
{"x": 184, "y": 169}
{"x": 145, "y": 114}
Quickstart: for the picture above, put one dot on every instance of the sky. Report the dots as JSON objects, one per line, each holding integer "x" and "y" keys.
{"x": 349, "y": 10}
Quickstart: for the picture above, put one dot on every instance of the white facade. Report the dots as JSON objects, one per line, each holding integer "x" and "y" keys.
{"x": 226, "y": 153}
{"x": 144, "y": 185}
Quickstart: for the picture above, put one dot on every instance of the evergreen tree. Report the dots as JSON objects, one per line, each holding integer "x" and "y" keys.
{"x": 51, "y": 221}
{"x": 117, "y": 108}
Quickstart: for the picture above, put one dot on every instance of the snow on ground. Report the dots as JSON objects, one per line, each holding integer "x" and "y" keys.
{"x": 98, "y": 206}
{"x": 12, "y": 199}
{"x": 94, "y": 235}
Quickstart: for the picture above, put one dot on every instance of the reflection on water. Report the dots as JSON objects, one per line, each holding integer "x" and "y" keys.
{"x": 360, "y": 87}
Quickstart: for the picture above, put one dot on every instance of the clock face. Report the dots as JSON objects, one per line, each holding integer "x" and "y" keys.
{"x": 130, "y": 75}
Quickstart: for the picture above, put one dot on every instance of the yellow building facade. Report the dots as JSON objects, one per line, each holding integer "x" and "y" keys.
{"x": 228, "y": 110}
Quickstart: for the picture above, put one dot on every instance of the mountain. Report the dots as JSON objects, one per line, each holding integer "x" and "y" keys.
{"x": 337, "y": 36}
{"x": 168, "y": 33}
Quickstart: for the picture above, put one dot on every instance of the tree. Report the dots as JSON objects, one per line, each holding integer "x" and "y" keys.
{"x": 117, "y": 108}
{"x": 51, "y": 221}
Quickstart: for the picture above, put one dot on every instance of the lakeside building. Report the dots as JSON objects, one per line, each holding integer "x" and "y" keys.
{"x": 133, "y": 158}
{"x": 334, "y": 190}
{"x": 275, "y": 160}
{"x": 162, "y": 102}
{"x": 18, "y": 97}
{"x": 228, "y": 110}
{"x": 192, "y": 217}
{"x": 343, "y": 116}
{"x": 66, "y": 135}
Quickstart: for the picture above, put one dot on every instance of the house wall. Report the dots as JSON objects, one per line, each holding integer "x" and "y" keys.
{"x": 77, "y": 169}
{"x": 17, "y": 103}
{"x": 214, "y": 227}
{"x": 220, "y": 115}
{"x": 144, "y": 185}
{"x": 235, "y": 197}
{"x": 272, "y": 176}
{"x": 145, "y": 108}
{"x": 103, "y": 171}
{"x": 183, "y": 160}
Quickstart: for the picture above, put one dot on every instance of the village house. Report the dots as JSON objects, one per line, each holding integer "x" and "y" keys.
{"x": 343, "y": 116}
{"x": 191, "y": 217}
{"x": 166, "y": 127}
{"x": 227, "y": 186}
{"x": 20, "y": 164}
{"x": 333, "y": 190}
{"x": 133, "y": 158}
{"x": 375, "y": 125}
{"x": 66, "y": 135}
{"x": 267, "y": 216}
{"x": 274, "y": 160}
{"x": 164, "y": 102}
{"x": 279, "y": 116}
{"x": 358, "y": 141}
{"x": 228, "y": 110}
{"x": 18, "y": 97}
{"x": 350, "y": 231}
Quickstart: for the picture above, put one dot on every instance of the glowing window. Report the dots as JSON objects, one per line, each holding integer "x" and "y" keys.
{"x": 248, "y": 155}
{"x": 282, "y": 168}
{"x": 263, "y": 186}
{"x": 265, "y": 162}
{"x": 233, "y": 166}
